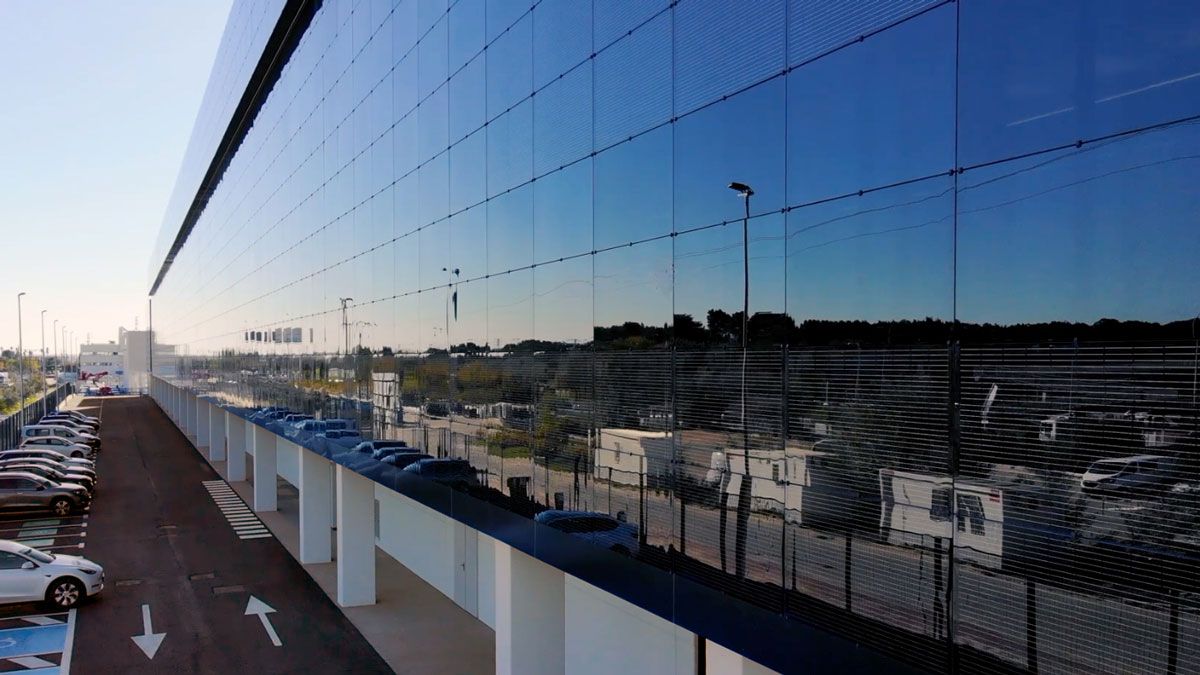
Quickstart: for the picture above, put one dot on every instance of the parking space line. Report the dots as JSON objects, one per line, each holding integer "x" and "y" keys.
{"x": 64, "y": 666}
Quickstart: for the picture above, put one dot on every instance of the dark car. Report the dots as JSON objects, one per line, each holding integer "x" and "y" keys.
{"x": 401, "y": 460}
{"x": 51, "y": 473}
{"x": 454, "y": 472}
{"x": 22, "y": 490}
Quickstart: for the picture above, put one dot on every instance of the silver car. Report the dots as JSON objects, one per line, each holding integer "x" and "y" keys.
{"x": 23, "y": 490}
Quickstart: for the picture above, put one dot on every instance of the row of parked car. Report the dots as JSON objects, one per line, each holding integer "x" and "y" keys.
{"x": 53, "y": 469}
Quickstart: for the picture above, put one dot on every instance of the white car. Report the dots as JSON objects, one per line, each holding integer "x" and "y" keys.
{"x": 38, "y": 453}
{"x": 63, "y": 445}
{"x": 30, "y": 575}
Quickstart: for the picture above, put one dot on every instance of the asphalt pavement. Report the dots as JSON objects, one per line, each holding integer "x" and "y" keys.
{"x": 176, "y": 567}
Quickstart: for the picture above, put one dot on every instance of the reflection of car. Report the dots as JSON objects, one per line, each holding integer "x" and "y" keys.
{"x": 1137, "y": 474}
{"x": 455, "y": 472}
{"x": 265, "y": 413}
{"x": 51, "y": 473}
{"x": 64, "y": 445}
{"x": 23, "y": 490}
{"x": 30, "y": 575}
{"x": 403, "y": 459}
{"x": 341, "y": 434}
{"x": 600, "y": 529}
{"x": 369, "y": 447}
{"x": 389, "y": 450}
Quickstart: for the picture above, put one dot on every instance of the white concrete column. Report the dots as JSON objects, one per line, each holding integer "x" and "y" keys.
{"x": 265, "y": 493}
{"x": 202, "y": 426}
{"x": 355, "y": 539}
{"x": 216, "y": 433}
{"x": 316, "y": 516}
{"x": 530, "y": 617}
{"x": 235, "y": 431}
{"x": 722, "y": 661}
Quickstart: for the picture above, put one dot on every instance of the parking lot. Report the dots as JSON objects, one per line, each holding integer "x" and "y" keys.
{"x": 193, "y": 581}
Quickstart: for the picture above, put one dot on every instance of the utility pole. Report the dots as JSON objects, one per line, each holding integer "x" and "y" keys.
{"x": 54, "y": 336}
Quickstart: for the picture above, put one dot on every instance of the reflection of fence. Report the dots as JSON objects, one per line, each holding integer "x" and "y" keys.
{"x": 10, "y": 427}
{"x": 867, "y": 467}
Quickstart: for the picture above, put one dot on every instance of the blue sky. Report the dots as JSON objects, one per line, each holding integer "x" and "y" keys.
{"x": 99, "y": 102}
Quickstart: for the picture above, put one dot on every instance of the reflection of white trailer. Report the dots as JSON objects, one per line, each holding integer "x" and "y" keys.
{"x": 917, "y": 509}
{"x": 624, "y": 456}
{"x": 781, "y": 481}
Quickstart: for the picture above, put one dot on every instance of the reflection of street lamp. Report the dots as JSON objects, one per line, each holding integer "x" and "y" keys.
{"x": 744, "y": 491}
{"x": 20, "y": 362}
{"x": 345, "y": 323}
{"x": 43, "y": 363}
{"x": 451, "y": 274}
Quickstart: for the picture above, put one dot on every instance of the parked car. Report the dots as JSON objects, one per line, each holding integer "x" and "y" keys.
{"x": 598, "y": 528}
{"x": 369, "y": 447}
{"x": 43, "y": 430}
{"x": 64, "y": 445}
{"x": 66, "y": 420}
{"x": 50, "y": 473}
{"x": 310, "y": 427}
{"x": 454, "y": 472}
{"x": 401, "y": 460}
{"x": 30, "y": 575}
{"x": 292, "y": 418}
{"x": 1136, "y": 475}
{"x": 79, "y": 416}
{"x": 58, "y": 466}
{"x": 24, "y": 490}
{"x": 46, "y": 453}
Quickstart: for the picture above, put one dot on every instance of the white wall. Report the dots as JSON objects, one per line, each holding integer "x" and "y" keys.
{"x": 487, "y": 580}
{"x": 287, "y": 462}
{"x": 606, "y": 635}
{"x": 402, "y": 522}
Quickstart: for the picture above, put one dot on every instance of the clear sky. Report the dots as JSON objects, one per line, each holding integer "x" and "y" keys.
{"x": 99, "y": 99}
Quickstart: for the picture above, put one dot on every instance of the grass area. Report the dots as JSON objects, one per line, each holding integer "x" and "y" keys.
{"x": 510, "y": 452}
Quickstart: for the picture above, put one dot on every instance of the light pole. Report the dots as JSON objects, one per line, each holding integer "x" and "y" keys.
{"x": 54, "y": 335}
{"x": 20, "y": 362}
{"x": 43, "y": 363}
{"x": 744, "y": 491}
{"x": 62, "y": 355}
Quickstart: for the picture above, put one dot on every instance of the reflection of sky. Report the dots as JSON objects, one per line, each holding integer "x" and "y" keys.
{"x": 1105, "y": 230}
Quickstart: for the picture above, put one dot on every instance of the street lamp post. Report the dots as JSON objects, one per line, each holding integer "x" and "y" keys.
{"x": 43, "y": 363}
{"x": 20, "y": 363}
{"x": 54, "y": 336}
{"x": 744, "y": 491}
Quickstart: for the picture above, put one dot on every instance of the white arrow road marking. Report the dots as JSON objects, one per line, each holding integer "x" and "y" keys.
{"x": 262, "y": 609}
{"x": 148, "y": 641}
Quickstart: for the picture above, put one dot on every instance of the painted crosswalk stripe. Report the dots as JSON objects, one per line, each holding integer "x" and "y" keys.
{"x": 241, "y": 519}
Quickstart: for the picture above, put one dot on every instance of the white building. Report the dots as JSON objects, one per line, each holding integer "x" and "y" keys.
{"x": 126, "y": 362}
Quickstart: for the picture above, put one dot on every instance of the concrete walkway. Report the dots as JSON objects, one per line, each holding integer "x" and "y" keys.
{"x": 413, "y": 626}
